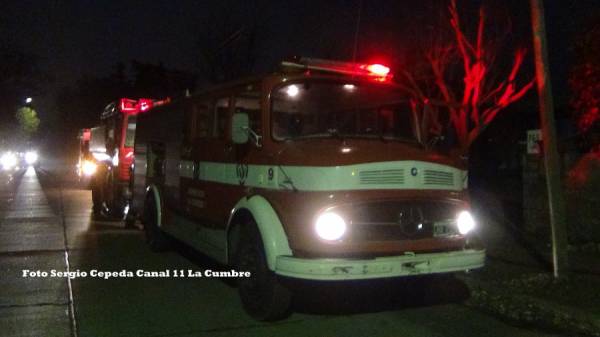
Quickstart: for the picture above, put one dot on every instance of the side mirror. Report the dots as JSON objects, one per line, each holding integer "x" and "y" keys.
{"x": 239, "y": 128}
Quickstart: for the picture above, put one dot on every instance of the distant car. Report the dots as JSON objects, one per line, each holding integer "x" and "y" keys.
{"x": 14, "y": 161}
{"x": 9, "y": 161}
{"x": 31, "y": 158}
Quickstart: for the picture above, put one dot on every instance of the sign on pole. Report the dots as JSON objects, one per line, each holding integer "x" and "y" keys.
{"x": 534, "y": 141}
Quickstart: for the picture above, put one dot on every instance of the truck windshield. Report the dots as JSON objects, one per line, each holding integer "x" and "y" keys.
{"x": 313, "y": 109}
{"x": 130, "y": 132}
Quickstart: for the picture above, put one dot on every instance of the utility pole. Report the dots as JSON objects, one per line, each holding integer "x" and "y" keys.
{"x": 556, "y": 200}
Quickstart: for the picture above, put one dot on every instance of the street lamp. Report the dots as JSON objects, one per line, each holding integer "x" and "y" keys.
{"x": 28, "y": 100}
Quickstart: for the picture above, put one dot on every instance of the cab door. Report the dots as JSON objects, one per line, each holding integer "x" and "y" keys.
{"x": 235, "y": 160}
{"x": 245, "y": 157}
{"x": 204, "y": 154}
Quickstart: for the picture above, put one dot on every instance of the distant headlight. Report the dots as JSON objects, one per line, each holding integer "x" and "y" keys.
{"x": 89, "y": 168}
{"x": 8, "y": 160}
{"x": 330, "y": 226}
{"x": 31, "y": 157}
{"x": 465, "y": 222}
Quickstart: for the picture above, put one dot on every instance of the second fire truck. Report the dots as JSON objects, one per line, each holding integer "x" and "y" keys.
{"x": 110, "y": 155}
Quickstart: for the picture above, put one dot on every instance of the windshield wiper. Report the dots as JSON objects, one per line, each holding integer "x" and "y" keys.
{"x": 383, "y": 138}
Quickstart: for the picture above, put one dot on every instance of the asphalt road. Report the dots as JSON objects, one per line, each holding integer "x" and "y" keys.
{"x": 45, "y": 224}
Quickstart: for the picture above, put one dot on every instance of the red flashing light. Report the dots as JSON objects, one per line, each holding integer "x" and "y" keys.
{"x": 128, "y": 105}
{"x": 378, "y": 72}
{"x": 132, "y": 106}
{"x": 378, "y": 69}
{"x": 86, "y": 135}
{"x": 144, "y": 104}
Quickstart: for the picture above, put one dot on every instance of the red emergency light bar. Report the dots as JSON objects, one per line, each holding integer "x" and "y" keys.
{"x": 86, "y": 134}
{"x": 128, "y": 105}
{"x": 143, "y": 104}
{"x": 376, "y": 71}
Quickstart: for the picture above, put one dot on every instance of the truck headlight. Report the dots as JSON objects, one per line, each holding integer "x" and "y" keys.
{"x": 330, "y": 226}
{"x": 465, "y": 222}
{"x": 89, "y": 168}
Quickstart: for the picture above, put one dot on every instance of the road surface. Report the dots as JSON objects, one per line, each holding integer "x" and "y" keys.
{"x": 45, "y": 225}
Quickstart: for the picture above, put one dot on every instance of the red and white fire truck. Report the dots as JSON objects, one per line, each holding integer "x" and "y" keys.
{"x": 316, "y": 172}
{"x": 106, "y": 154}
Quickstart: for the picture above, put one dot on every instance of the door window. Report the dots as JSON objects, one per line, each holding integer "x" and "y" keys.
{"x": 249, "y": 102}
{"x": 221, "y": 116}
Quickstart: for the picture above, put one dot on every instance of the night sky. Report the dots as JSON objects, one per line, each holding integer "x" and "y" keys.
{"x": 88, "y": 37}
{"x": 76, "y": 38}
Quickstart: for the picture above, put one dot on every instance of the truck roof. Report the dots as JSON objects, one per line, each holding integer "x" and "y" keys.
{"x": 314, "y": 68}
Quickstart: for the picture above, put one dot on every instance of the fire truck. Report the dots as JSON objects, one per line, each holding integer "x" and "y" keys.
{"x": 106, "y": 154}
{"x": 316, "y": 172}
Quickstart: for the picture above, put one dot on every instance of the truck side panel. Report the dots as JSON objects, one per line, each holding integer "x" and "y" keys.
{"x": 157, "y": 156}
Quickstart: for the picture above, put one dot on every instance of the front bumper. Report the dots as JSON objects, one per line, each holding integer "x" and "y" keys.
{"x": 381, "y": 267}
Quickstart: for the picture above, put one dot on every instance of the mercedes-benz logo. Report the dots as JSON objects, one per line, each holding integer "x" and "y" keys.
{"x": 414, "y": 171}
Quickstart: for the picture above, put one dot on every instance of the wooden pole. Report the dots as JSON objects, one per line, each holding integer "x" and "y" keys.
{"x": 551, "y": 159}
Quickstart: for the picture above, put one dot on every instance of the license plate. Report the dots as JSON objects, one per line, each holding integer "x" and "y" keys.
{"x": 441, "y": 229}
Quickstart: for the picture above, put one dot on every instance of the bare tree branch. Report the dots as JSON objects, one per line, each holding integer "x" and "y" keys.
{"x": 484, "y": 92}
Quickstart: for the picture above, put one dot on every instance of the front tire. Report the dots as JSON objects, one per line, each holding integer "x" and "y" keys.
{"x": 130, "y": 219}
{"x": 115, "y": 202}
{"x": 263, "y": 296}
{"x": 96, "y": 199}
{"x": 157, "y": 240}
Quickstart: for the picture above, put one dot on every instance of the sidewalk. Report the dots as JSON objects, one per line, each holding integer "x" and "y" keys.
{"x": 31, "y": 237}
{"x": 518, "y": 287}
{"x": 531, "y": 298}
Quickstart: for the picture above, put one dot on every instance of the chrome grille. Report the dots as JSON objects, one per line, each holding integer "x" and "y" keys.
{"x": 384, "y": 177}
{"x": 395, "y": 220}
{"x": 434, "y": 177}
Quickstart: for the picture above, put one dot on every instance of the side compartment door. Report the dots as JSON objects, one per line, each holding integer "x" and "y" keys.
{"x": 157, "y": 157}
{"x": 139, "y": 174}
{"x": 198, "y": 121}
{"x": 201, "y": 174}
